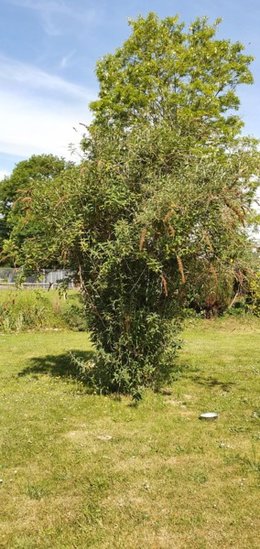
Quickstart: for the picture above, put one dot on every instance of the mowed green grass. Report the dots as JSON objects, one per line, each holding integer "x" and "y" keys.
{"x": 81, "y": 470}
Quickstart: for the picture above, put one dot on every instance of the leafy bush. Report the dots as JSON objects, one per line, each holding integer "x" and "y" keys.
{"x": 73, "y": 313}
{"x": 253, "y": 299}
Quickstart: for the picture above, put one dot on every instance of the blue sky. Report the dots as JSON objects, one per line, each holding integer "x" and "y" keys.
{"x": 48, "y": 51}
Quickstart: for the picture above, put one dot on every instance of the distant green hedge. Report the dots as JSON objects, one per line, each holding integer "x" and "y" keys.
{"x": 22, "y": 310}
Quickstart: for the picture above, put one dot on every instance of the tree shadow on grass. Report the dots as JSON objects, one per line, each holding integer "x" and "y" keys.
{"x": 66, "y": 365}
{"x": 213, "y": 382}
{"x": 195, "y": 374}
{"x": 78, "y": 365}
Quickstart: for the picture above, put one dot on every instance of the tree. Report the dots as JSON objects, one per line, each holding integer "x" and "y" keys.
{"x": 162, "y": 199}
{"x": 3, "y": 222}
{"x": 15, "y": 196}
{"x": 164, "y": 73}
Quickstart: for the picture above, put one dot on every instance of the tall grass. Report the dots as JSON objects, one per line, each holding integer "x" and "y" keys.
{"x": 22, "y": 310}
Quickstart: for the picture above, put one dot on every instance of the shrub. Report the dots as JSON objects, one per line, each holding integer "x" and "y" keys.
{"x": 253, "y": 298}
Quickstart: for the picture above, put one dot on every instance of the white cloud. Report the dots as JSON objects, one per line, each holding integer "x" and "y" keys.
{"x": 50, "y": 6}
{"x": 54, "y": 12}
{"x": 14, "y": 72}
{"x": 38, "y": 110}
{"x": 65, "y": 61}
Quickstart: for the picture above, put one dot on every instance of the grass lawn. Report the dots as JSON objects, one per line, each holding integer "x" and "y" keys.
{"x": 80, "y": 470}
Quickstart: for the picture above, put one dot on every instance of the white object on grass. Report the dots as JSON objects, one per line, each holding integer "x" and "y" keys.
{"x": 208, "y": 415}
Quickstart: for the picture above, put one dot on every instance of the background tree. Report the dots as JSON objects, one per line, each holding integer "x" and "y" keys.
{"x": 163, "y": 198}
{"x": 15, "y": 196}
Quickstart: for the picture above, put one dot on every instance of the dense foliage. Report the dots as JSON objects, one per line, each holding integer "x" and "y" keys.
{"x": 15, "y": 197}
{"x": 156, "y": 214}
